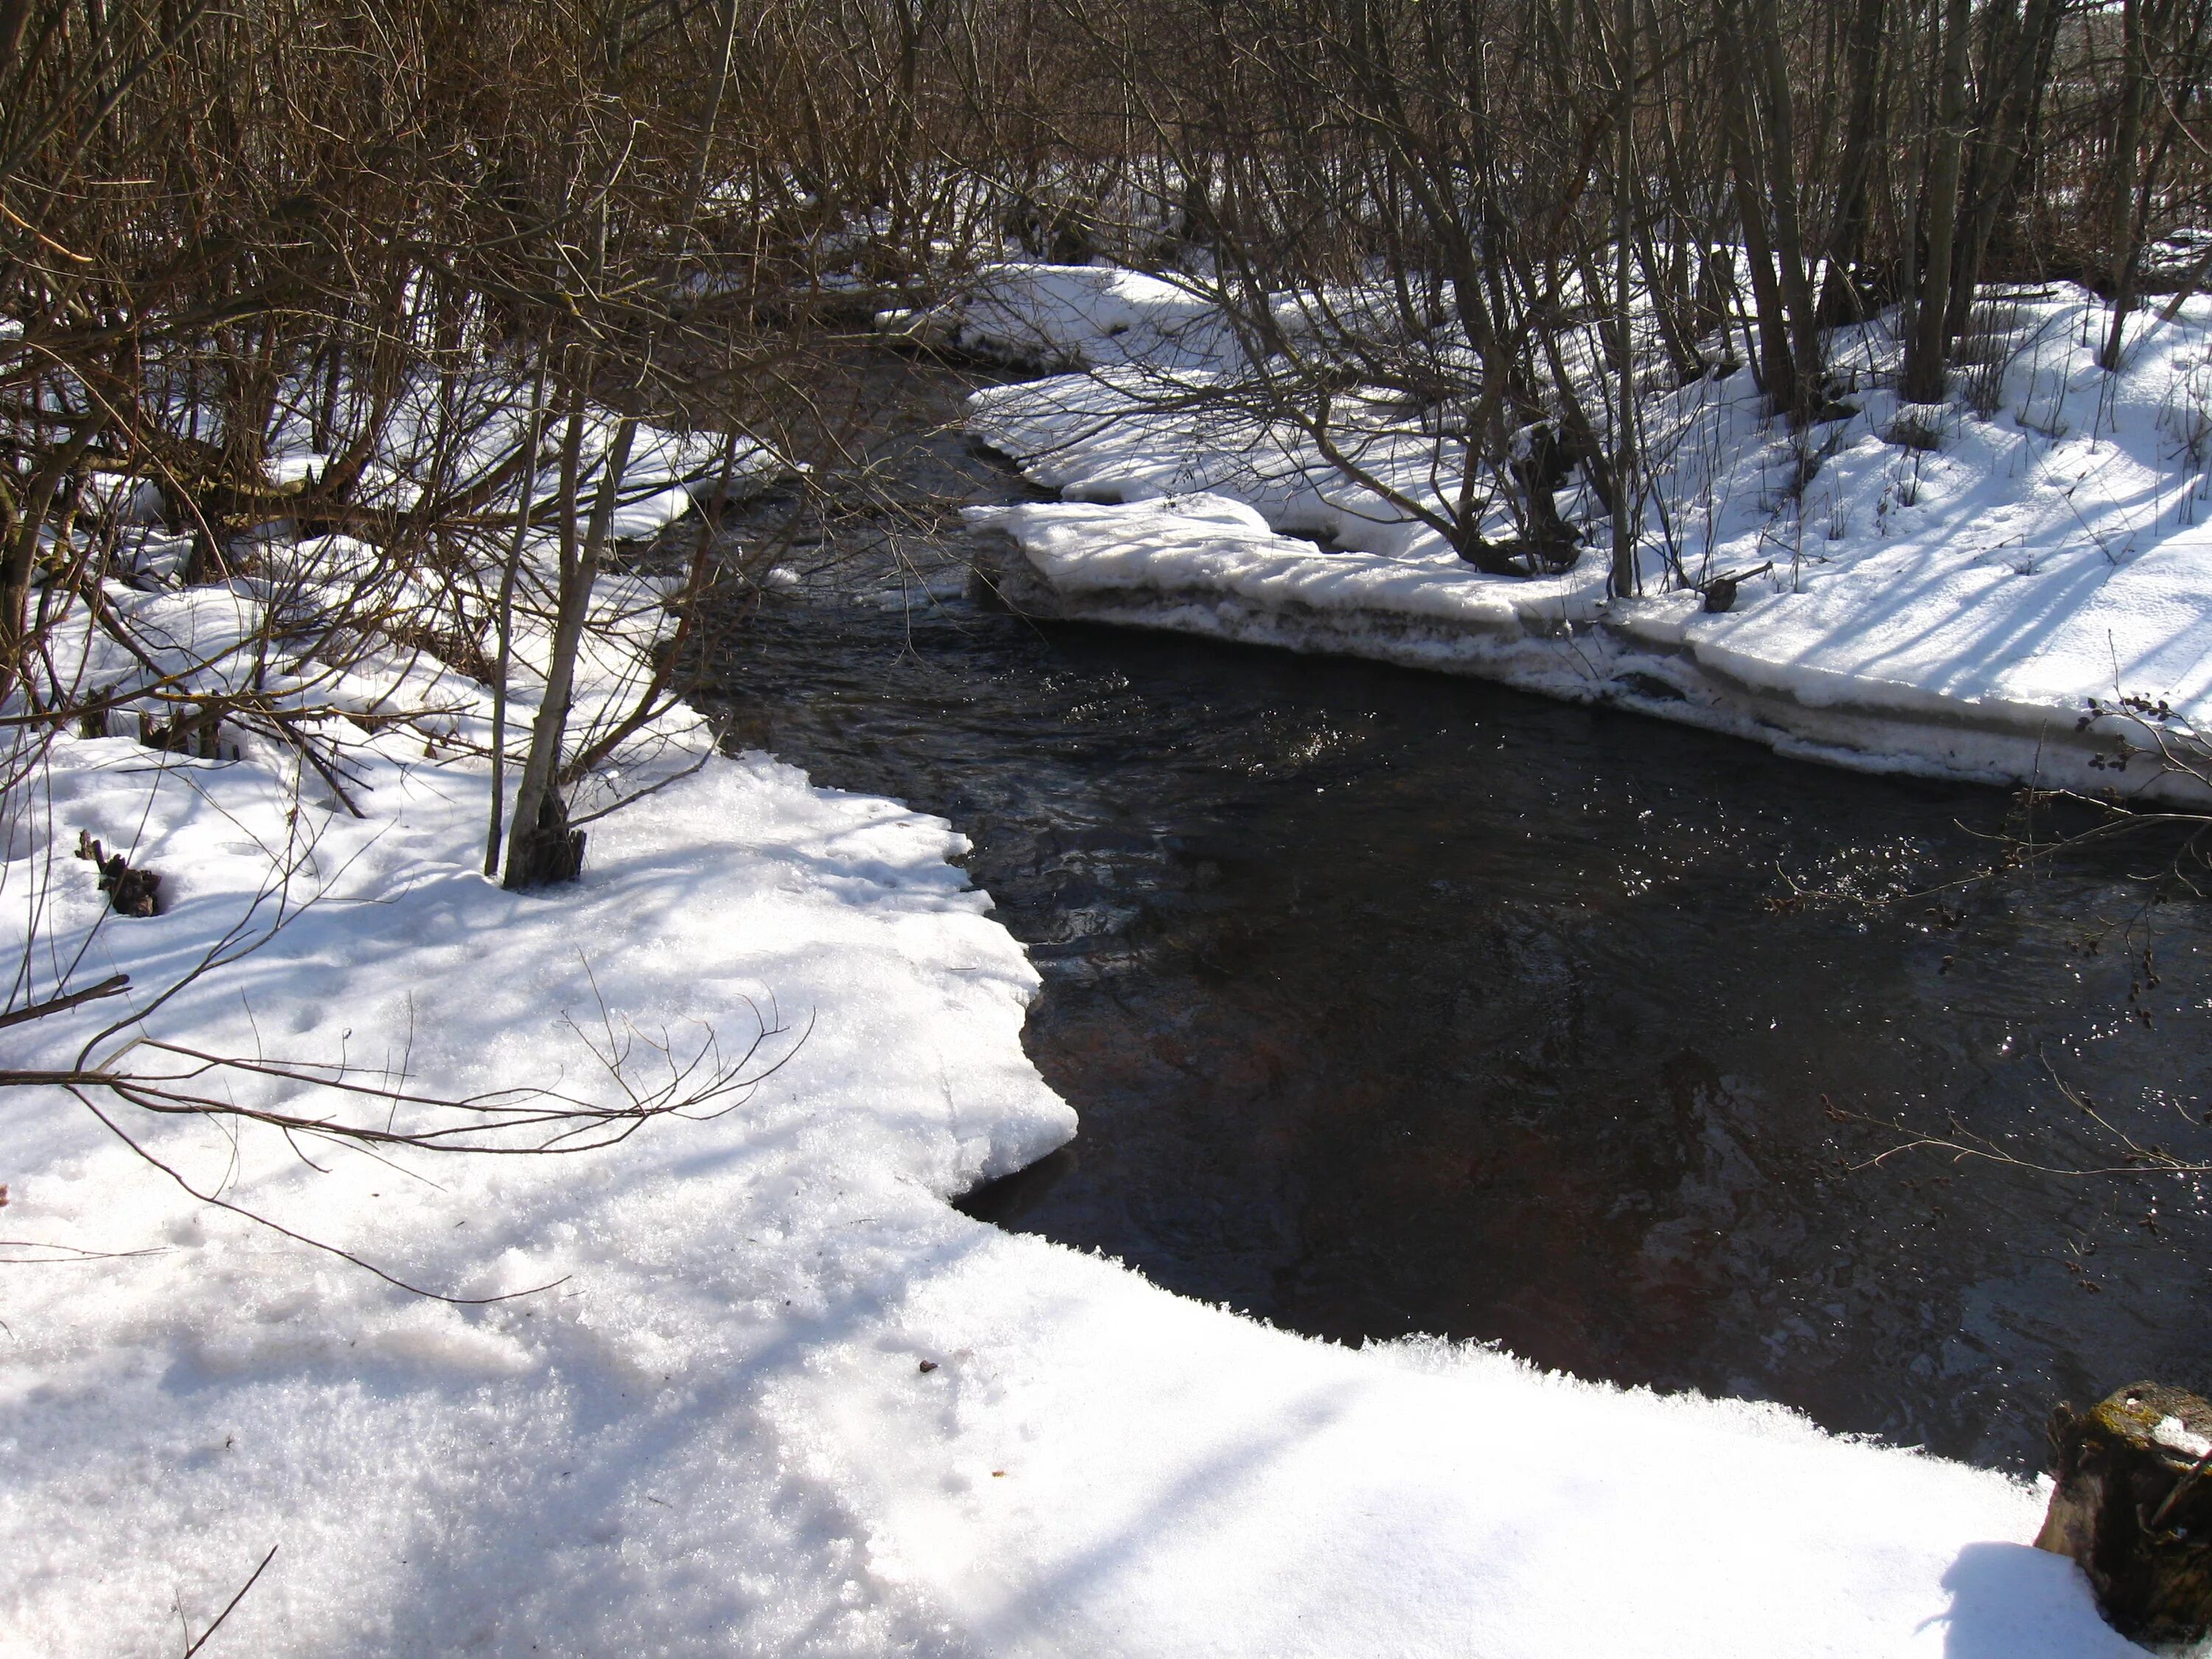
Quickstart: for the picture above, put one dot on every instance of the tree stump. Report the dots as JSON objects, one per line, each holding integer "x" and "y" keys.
{"x": 548, "y": 852}
{"x": 2134, "y": 1507}
{"x": 130, "y": 892}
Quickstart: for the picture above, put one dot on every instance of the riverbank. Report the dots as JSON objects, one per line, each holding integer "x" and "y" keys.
{"x": 717, "y": 1423}
{"x": 2007, "y": 590}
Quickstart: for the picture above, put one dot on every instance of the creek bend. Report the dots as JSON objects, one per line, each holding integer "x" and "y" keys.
{"x": 1394, "y": 1003}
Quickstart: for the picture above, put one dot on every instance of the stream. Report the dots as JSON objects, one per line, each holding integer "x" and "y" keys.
{"x": 1394, "y": 1003}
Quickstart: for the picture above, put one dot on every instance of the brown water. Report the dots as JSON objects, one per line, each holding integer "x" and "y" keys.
{"x": 1394, "y": 1003}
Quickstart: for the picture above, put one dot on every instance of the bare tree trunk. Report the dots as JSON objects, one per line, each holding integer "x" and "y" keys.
{"x": 1624, "y": 579}
{"x": 2002, "y": 144}
{"x": 21, "y": 553}
{"x": 1842, "y": 296}
{"x": 543, "y": 848}
{"x": 2125, "y": 239}
{"x": 504, "y": 619}
{"x": 1924, "y": 381}
{"x": 1789, "y": 239}
{"x": 1776, "y": 368}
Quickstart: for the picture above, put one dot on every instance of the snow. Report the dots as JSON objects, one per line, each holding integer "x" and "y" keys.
{"x": 1097, "y": 1469}
{"x": 1036, "y": 316}
{"x": 699, "y": 1421}
{"x": 587, "y": 1461}
{"x": 2172, "y": 1431}
{"x": 665, "y": 472}
{"x": 1951, "y": 611}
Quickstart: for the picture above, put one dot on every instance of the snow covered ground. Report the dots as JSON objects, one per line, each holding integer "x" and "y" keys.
{"x": 1950, "y": 604}
{"x": 766, "y": 1392}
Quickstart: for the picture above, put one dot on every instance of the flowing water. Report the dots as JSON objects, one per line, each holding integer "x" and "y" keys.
{"x": 1395, "y": 1003}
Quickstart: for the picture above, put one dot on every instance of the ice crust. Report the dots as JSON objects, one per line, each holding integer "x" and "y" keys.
{"x": 710, "y": 1431}
{"x": 1950, "y": 611}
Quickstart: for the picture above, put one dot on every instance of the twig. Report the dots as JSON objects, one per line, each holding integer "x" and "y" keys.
{"x": 234, "y": 1600}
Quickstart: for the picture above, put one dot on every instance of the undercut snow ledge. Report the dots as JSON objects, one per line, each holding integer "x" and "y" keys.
{"x": 1896, "y": 698}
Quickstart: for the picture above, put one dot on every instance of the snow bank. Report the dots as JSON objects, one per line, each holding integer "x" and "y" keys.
{"x": 584, "y": 1467}
{"x": 1950, "y": 604}
{"x": 438, "y": 432}
{"x": 1063, "y": 317}
{"x": 1099, "y": 1469}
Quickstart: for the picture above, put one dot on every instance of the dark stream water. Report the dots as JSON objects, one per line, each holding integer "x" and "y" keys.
{"x": 1394, "y": 1003}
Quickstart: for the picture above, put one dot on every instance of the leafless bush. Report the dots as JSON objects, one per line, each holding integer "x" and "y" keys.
{"x": 355, "y": 324}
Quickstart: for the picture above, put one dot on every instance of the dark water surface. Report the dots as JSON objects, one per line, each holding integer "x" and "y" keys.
{"x": 1395, "y": 1003}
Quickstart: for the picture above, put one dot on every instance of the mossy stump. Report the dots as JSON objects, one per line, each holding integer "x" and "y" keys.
{"x": 2134, "y": 1507}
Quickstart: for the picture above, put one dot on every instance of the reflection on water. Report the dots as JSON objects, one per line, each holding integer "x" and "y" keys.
{"x": 1394, "y": 1003}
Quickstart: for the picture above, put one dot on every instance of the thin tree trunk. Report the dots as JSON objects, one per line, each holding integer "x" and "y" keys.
{"x": 1624, "y": 581}
{"x": 2125, "y": 240}
{"x": 23, "y": 552}
{"x": 541, "y": 848}
{"x": 1842, "y": 296}
{"x": 1998, "y": 157}
{"x": 1789, "y": 239}
{"x": 1776, "y": 367}
{"x": 1924, "y": 381}
{"x": 656, "y": 696}
{"x": 505, "y": 622}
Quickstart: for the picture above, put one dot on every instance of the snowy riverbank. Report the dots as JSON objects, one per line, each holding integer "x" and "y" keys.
{"x": 1949, "y": 605}
{"x": 714, "y": 1432}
